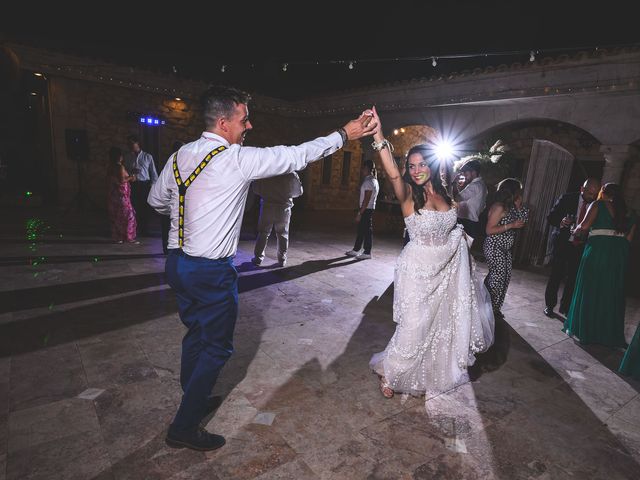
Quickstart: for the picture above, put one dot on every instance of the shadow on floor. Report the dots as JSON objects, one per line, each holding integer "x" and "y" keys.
{"x": 30, "y": 334}
{"x": 520, "y": 419}
{"x": 55, "y": 328}
{"x": 271, "y": 276}
{"x": 53, "y": 259}
{"x": 16, "y": 300}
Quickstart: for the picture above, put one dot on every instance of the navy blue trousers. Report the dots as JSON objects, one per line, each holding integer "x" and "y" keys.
{"x": 207, "y": 293}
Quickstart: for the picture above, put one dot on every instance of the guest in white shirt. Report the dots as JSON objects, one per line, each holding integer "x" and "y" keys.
{"x": 369, "y": 189}
{"x": 472, "y": 198}
{"x": 275, "y": 213}
{"x": 204, "y": 189}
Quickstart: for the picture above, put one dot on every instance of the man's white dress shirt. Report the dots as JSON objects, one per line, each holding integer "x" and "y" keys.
{"x": 214, "y": 202}
{"x": 472, "y": 199}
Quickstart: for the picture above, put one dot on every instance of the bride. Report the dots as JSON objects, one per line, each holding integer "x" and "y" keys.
{"x": 443, "y": 312}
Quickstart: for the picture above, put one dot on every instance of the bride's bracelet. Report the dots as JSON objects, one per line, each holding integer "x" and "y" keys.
{"x": 377, "y": 146}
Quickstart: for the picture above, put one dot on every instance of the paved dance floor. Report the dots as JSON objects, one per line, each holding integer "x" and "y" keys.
{"x": 90, "y": 358}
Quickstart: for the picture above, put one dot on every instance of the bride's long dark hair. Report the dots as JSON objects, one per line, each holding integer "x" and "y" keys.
{"x": 418, "y": 192}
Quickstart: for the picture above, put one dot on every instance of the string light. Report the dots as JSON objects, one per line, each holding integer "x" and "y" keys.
{"x": 284, "y": 67}
{"x": 93, "y": 70}
{"x": 175, "y": 70}
{"x": 530, "y": 54}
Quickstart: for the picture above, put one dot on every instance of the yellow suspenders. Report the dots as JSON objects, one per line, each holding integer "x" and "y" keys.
{"x": 182, "y": 186}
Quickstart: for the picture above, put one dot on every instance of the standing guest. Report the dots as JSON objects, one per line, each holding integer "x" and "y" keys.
{"x": 568, "y": 211}
{"x": 506, "y": 216}
{"x": 275, "y": 212}
{"x": 472, "y": 198}
{"x": 204, "y": 192}
{"x": 596, "y": 314}
{"x": 442, "y": 310}
{"x": 369, "y": 189}
{"x": 122, "y": 216}
{"x": 140, "y": 164}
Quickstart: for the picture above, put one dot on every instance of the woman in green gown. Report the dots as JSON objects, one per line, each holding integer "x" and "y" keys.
{"x": 596, "y": 314}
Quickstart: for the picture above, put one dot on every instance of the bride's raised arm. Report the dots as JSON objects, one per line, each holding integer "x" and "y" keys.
{"x": 400, "y": 188}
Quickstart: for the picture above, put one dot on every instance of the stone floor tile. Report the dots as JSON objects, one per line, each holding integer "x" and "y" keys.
{"x": 153, "y": 459}
{"x": 257, "y": 450}
{"x": 356, "y": 458}
{"x": 115, "y": 361}
{"x": 4, "y": 432}
{"x": 132, "y": 414}
{"x": 625, "y": 425}
{"x": 234, "y": 415}
{"x": 45, "y": 376}
{"x": 294, "y": 469}
{"x": 33, "y": 426}
{"x": 75, "y": 457}
{"x": 299, "y": 398}
{"x": 602, "y": 390}
{"x": 573, "y": 438}
{"x": 4, "y": 385}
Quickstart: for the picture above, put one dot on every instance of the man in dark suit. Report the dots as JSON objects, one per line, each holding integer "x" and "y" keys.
{"x": 568, "y": 211}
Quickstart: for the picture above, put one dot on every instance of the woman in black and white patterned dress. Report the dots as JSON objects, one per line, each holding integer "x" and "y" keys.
{"x": 506, "y": 216}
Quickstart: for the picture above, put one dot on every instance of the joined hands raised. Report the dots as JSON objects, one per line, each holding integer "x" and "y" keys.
{"x": 362, "y": 126}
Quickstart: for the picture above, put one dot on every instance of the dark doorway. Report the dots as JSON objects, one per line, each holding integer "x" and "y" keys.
{"x": 26, "y": 159}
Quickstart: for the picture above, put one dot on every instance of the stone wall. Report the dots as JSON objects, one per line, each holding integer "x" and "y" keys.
{"x": 334, "y": 195}
{"x": 104, "y": 112}
{"x": 520, "y": 137}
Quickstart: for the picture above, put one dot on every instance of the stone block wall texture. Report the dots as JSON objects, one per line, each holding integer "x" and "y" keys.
{"x": 102, "y": 110}
{"x": 334, "y": 195}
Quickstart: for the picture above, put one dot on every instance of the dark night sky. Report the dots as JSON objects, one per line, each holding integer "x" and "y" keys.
{"x": 254, "y": 41}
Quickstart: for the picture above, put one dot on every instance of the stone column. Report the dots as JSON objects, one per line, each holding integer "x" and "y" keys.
{"x": 615, "y": 157}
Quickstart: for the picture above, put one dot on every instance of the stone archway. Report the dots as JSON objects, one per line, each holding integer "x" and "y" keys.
{"x": 404, "y": 138}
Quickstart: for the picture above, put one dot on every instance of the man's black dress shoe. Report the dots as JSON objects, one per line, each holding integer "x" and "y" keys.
{"x": 548, "y": 311}
{"x": 199, "y": 439}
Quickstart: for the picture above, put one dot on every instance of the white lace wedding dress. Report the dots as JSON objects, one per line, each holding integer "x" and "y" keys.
{"x": 442, "y": 310}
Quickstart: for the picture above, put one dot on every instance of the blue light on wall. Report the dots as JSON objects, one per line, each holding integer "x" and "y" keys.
{"x": 152, "y": 121}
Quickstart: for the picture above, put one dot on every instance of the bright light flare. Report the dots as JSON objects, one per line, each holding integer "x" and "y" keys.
{"x": 443, "y": 150}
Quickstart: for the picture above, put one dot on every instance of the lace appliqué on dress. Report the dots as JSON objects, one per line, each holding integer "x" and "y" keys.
{"x": 443, "y": 312}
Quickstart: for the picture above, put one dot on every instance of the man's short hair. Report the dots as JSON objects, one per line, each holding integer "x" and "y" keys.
{"x": 220, "y": 101}
{"x": 472, "y": 165}
{"x": 132, "y": 138}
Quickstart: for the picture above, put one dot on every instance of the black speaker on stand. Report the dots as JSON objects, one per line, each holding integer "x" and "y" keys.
{"x": 77, "y": 145}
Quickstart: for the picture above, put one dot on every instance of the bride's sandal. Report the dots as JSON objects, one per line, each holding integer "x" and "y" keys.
{"x": 385, "y": 388}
